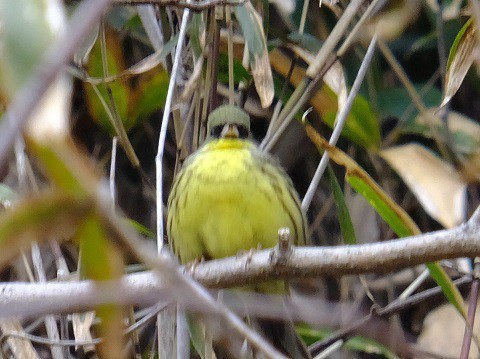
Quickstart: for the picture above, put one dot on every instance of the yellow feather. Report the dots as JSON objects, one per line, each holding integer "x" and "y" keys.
{"x": 230, "y": 197}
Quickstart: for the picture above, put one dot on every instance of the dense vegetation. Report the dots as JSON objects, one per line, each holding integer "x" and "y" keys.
{"x": 392, "y": 85}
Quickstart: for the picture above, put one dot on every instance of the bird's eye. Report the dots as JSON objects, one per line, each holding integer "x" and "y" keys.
{"x": 216, "y": 131}
{"x": 243, "y": 132}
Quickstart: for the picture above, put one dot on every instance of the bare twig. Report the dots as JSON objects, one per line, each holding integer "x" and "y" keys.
{"x": 384, "y": 312}
{"x": 194, "y": 6}
{"x": 339, "y": 123}
{"x": 472, "y": 309}
{"x": 145, "y": 288}
{"x": 163, "y": 130}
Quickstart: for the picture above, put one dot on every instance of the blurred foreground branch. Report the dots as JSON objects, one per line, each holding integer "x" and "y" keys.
{"x": 194, "y": 6}
{"x": 32, "y": 299}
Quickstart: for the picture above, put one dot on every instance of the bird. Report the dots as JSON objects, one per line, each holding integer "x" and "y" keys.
{"x": 231, "y": 197}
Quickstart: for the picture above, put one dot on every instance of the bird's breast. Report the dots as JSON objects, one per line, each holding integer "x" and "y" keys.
{"x": 226, "y": 202}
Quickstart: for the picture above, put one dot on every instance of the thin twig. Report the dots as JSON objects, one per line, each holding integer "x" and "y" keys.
{"x": 472, "y": 309}
{"x": 163, "y": 130}
{"x": 194, "y": 6}
{"x": 339, "y": 123}
{"x": 50, "y": 322}
{"x": 113, "y": 166}
{"x": 384, "y": 312}
{"x": 144, "y": 288}
{"x": 164, "y": 320}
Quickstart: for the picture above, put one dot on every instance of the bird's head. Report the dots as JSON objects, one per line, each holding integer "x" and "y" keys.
{"x": 228, "y": 122}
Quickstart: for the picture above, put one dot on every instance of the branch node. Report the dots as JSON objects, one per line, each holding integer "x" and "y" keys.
{"x": 281, "y": 253}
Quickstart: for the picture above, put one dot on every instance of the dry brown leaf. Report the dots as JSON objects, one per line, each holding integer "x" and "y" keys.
{"x": 463, "y": 53}
{"x": 443, "y": 331}
{"x": 262, "y": 76}
{"x": 252, "y": 28}
{"x": 438, "y": 187}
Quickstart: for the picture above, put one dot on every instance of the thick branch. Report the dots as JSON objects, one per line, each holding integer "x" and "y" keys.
{"x": 31, "y": 299}
{"x": 379, "y": 257}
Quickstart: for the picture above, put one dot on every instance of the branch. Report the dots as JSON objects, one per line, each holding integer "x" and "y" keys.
{"x": 32, "y": 299}
{"x": 379, "y": 257}
{"x": 194, "y": 6}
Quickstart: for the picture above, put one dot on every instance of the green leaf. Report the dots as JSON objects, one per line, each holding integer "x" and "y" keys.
{"x": 356, "y": 343}
{"x": 140, "y": 228}
{"x": 101, "y": 261}
{"x": 392, "y": 101}
{"x": 196, "y": 330}
{"x": 53, "y": 214}
{"x": 362, "y": 126}
{"x": 458, "y": 40}
{"x": 239, "y": 72}
{"x": 448, "y": 288}
{"x": 346, "y": 225}
{"x": 197, "y": 34}
{"x": 306, "y": 41}
{"x": 26, "y": 34}
{"x": 153, "y": 94}
{"x": 120, "y": 90}
{"x": 394, "y": 215}
{"x": 65, "y": 167}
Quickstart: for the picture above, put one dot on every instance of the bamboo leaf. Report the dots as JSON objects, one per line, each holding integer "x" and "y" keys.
{"x": 461, "y": 57}
{"x": 252, "y": 28}
{"x": 54, "y": 214}
{"x": 436, "y": 184}
{"x": 101, "y": 261}
{"x": 346, "y": 225}
{"x": 361, "y": 127}
{"x": 396, "y": 217}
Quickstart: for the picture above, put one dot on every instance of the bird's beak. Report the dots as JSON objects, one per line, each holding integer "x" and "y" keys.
{"x": 230, "y": 130}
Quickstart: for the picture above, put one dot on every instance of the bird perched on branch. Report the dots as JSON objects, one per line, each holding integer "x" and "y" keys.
{"x": 231, "y": 197}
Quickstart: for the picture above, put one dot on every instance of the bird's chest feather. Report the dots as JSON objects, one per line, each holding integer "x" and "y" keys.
{"x": 228, "y": 206}
{"x": 225, "y": 186}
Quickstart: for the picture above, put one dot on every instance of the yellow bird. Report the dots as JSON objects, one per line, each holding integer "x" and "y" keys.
{"x": 231, "y": 197}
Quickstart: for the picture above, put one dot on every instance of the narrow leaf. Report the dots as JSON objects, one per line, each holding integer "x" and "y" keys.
{"x": 252, "y": 28}
{"x": 357, "y": 343}
{"x": 362, "y": 126}
{"x": 449, "y": 290}
{"x": 392, "y": 213}
{"x": 461, "y": 57}
{"x": 52, "y": 215}
{"x": 346, "y": 225}
{"x": 101, "y": 261}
